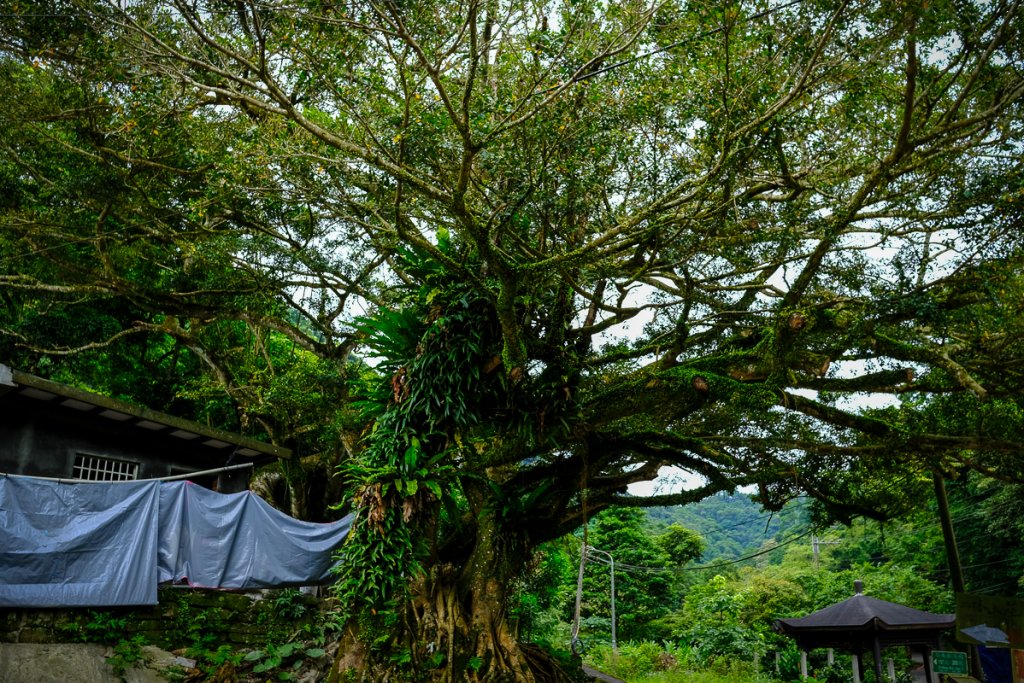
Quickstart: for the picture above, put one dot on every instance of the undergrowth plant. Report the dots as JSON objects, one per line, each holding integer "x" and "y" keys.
{"x": 287, "y": 659}
{"x": 652, "y": 662}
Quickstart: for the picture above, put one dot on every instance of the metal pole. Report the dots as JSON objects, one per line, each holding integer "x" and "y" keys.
{"x": 175, "y": 477}
{"x": 203, "y": 473}
{"x": 611, "y": 561}
{"x": 615, "y": 646}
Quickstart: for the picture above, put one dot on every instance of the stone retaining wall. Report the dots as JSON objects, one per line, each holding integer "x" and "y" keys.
{"x": 184, "y": 617}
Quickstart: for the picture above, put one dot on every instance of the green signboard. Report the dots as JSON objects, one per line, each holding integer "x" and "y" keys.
{"x": 949, "y": 662}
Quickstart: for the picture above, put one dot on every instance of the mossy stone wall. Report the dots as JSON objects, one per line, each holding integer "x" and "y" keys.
{"x": 182, "y": 618}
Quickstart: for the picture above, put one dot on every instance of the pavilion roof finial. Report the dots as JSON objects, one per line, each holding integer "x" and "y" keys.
{"x": 858, "y": 587}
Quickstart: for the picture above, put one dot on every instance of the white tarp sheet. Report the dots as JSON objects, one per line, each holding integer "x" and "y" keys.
{"x": 66, "y": 544}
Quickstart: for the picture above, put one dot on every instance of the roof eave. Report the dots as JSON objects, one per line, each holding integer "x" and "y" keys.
{"x": 11, "y": 379}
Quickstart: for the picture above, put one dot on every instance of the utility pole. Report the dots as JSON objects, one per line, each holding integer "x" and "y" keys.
{"x": 956, "y": 570}
{"x": 816, "y": 544}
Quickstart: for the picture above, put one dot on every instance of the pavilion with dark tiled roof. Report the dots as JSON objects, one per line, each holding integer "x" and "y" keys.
{"x": 862, "y": 623}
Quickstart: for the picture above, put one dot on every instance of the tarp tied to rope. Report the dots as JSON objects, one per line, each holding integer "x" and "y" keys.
{"x": 77, "y": 545}
{"x": 103, "y": 544}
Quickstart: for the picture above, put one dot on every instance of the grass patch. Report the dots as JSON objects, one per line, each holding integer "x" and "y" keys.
{"x": 648, "y": 662}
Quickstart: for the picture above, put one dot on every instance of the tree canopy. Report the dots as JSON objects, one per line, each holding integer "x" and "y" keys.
{"x": 525, "y": 253}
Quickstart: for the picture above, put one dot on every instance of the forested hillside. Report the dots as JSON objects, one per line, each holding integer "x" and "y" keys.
{"x": 732, "y": 525}
{"x": 716, "y": 613}
{"x": 988, "y": 518}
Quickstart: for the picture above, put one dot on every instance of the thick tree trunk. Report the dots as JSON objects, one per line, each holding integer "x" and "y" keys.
{"x": 464, "y": 619}
{"x": 454, "y": 627}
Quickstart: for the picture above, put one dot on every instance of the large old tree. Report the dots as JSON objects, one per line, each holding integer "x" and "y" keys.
{"x": 524, "y": 254}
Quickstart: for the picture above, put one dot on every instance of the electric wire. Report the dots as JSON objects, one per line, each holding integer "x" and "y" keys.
{"x": 639, "y": 568}
{"x": 759, "y": 518}
{"x": 993, "y": 588}
{"x": 678, "y": 570}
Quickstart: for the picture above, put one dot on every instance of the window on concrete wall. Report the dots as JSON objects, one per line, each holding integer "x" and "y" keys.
{"x": 99, "y": 468}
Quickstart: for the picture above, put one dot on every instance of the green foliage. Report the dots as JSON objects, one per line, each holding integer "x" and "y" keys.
{"x": 714, "y": 629}
{"x": 795, "y": 587}
{"x": 731, "y": 525}
{"x": 430, "y": 396}
{"x": 286, "y": 659}
{"x": 574, "y": 260}
{"x": 127, "y": 653}
{"x": 287, "y": 604}
{"x": 210, "y": 661}
{"x": 667, "y": 663}
{"x": 986, "y": 519}
{"x": 100, "y": 627}
{"x": 109, "y": 629}
{"x": 642, "y": 597}
{"x": 542, "y": 591}
{"x": 681, "y": 544}
{"x": 196, "y": 625}
{"x": 833, "y": 673}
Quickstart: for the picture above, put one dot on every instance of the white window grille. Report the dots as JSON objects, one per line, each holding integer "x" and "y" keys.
{"x": 98, "y": 468}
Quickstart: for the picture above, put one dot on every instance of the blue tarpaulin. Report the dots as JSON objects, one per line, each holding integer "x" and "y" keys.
{"x": 68, "y": 544}
{"x": 996, "y": 664}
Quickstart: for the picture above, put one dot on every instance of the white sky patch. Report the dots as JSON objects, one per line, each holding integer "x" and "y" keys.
{"x": 670, "y": 480}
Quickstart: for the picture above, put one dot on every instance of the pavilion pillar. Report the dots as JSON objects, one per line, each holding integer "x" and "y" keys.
{"x": 929, "y": 677}
{"x": 831, "y": 656}
{"x": 855, "y": 664}
{"x": 803, "y": 664}
{"x": 876, "y": 646}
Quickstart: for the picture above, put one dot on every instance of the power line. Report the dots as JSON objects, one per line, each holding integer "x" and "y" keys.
{"x": 676, "y": 570}
{"x": 993, "y": 587}
{"x": 945, "y": 570}
{"x": 679, "y": 570}
{"x": 760, "y": 517}
{"x": 910, "y": 528}
{"x": 902, "y": 532}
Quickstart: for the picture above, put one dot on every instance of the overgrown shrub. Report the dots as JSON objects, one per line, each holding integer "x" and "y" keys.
{"x": 650, "y": 662}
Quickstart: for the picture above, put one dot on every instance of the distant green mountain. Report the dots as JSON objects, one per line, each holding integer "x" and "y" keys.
{"x": 732, "y": 525}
